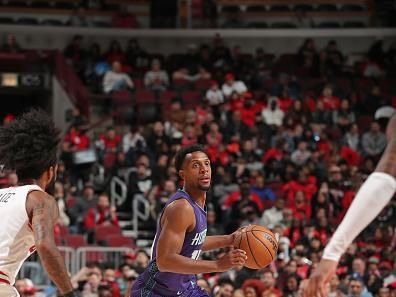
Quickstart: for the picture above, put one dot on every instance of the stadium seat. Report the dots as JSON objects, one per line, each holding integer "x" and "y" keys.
{"x": 118, "y": 240}
{"x": 256, "y": 8}
{"x": 283, "y": 25}
{"x": 109, "y": 160}
{"x": 303, "y": 7}
{"x": 364, "y": 122}
{"x": 147, "y": 113}
{"x": 75, "y": 241}
{"x": 352, "y": 7}
{"x": 258, "y": 25}
{"x": 231, "y": 9}
{"x": 52, "y": 22}
{"x": 181, "y": 84}
{"x": 101, "y": 24}
{"x": 144, "y": 96}
{"x": 27, "y": 21}
{"x": 191, "y": 97}
{"x": 329, "y": 25}
{"x": 354, "y": 24}
{"x": 41, "y": 4}
{"x": 18, "y": 3}
{"x": 202, "y": 85}
{"x": 102, "y": 232}
{"x": 327, "y": 7}
{"x": 167, "y": 96}
{"x": 279, "y": 8}
{"x": 122, "y": 98}
{"x": 6, "y": 20}
{"x": 65, "y": 5}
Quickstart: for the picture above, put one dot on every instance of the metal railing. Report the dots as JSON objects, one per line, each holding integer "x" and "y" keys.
{"x": 118, "y": 191}
{"x": 112, "y": 256}
{"x": 139, "y": 213}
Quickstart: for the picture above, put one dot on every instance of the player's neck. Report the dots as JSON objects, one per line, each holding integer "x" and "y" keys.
{"x": 31, "y": 181}
{"x": 197, "y": 195}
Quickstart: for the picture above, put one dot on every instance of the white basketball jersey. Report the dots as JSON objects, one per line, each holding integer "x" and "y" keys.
{"x": 16, "y": 235}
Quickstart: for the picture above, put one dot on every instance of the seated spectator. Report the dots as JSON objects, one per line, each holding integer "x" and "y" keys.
{"x": 115, "y": 53}
{"x": 334, "y": 58}
{"x": 102, "y": 214}
{"x": 75, "y": 140}
{"x": 136, "y": 56}
{"x": 78, "y": 18}
{"x": 10, "y": 45}
{"x": 273, "y": 115}
{"x": 231, "y": 85}
{"x": 265, "y": 193}
{"x": 156, "y": 79}
{"x": 268, "y": 279}
{"x": 110, "y": 141}
{"x": 301, "y": 155}
{"x": 133, "y": 140}
{"x": 273, "y": 216}
{"x": 61, "y": 199}
{"x": 356, "y": 288}
{"x": 75, "y": 53}
{"x": 345, "y": 116}
{"x": 330, "y": 101}
{"x": 115, "y": 79}
{"x": 109, "y": 278}
{"x": 91, "y": 287}
{"x": 225, "y": 288}
{"x": 214, "y": 95}
{"x": 352, "y": 138}
{"x": 373, "y": 141}
{"x": 124, "y": 19}
{"x": 185, "y": 74}
{"x": 321, "y": 116}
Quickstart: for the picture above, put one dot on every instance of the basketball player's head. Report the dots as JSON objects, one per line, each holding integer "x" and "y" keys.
{"x": 28, "y": 146}
{"x": 193, "y": 167}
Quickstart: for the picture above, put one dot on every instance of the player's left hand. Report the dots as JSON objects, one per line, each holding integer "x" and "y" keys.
{"x": 235, "y": 235}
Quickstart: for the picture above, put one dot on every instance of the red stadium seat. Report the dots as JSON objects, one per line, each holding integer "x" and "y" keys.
{"x": 167, "y": 96}
{"x": 181, "y": 84}
{"x": 109, "y": 160}
{"x": 122, "y": 98}
{"x": 202, "y": 84}
{"x": 75, "y": 241}
{"x": 193, "y": 97}
{"x": 119, "y": 241}
{"x": 101, "y": 232}
{"x": 139, "y": 85}
{"x": 144, "y": 96}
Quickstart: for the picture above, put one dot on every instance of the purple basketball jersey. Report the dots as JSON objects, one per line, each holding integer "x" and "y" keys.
{"x": 152, "y": 282}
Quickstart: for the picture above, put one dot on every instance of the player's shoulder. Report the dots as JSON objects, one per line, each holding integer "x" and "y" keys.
{"x": 179, "y": 205}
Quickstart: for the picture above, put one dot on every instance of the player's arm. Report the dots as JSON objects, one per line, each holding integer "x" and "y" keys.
{"x": 179, "y": 218}
{"x": 217, "y": 242}
{"x": 43, "y": 212}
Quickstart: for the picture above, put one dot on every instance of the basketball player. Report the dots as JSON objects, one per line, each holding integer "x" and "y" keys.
{"x": 181, "y": 236}
{"x": 29, "y": 146}
{"x": 372, "y": 197}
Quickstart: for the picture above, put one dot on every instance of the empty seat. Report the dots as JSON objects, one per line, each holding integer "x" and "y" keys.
{"x": 6, "y": 20}
{"x": 181, "y": 84}
{"x": 65, "y": 5}
{"x": 202, "y": 84}
{"x": 352, "y": 7}
{"x": 167, "y": 96}
{"x": 101, "y": 24}
{"x": 193, "y": 97}
{"x": 144, "y": 96}
{"x": 283, "y": 25}
{"x": 102, "y": 232}
{"x": 119, "y": 240}
{"x": 303, "y": 7}
{"x": 279, "y": 8}
{"x": 256, "y": 8}
{"x": 138, "y": 83}
{"x": 52, "y": 22}
{"x": 75, "y": 241}
{"x": 258, "y": 25}
{"x": 329, "y": 25}
{"x": 231, "y": 9}
{"x": 327, "y": 7}
{"x": 41, "y": 4}
{"x": 27, "y": 21}
{"x": 354, "y": 24}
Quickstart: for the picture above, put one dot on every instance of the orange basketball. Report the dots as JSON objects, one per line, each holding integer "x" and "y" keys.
{"x": 260, "y": 246}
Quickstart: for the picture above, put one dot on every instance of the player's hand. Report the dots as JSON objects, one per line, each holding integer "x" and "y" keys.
{"x": 323, "y": 273}
{"x": 235, "y": 257}
{"x": 234, "y": 236}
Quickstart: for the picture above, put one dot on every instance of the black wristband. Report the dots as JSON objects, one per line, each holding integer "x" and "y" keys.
{"x": 70, "y": 294}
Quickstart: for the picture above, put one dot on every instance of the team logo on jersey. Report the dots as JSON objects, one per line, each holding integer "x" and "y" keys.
{"x": 199, "y": 238}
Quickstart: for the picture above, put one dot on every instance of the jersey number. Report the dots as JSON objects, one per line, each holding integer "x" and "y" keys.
{"x": 195, "y": 254}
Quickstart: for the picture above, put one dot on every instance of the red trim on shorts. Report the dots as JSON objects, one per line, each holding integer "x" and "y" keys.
{"x": 32, "y": 249}
{"x": 4, "y": 281}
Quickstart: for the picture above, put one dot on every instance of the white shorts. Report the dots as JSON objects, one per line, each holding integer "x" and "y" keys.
{"x": 8, "y": 291}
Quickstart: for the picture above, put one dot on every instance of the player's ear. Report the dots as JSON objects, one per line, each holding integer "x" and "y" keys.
{"x": 181, "y": 173}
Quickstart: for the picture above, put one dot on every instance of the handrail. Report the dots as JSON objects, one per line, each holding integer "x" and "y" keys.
{"x": 117, "y": 198}
{"x": 137, "y": 213}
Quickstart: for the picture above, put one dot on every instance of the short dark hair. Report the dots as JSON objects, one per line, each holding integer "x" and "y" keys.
{"x": 29, "y": 144}
{"x": 181, "y": 154}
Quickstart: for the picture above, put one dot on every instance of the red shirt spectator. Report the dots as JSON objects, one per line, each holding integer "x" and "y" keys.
{"x": 103, "y": 214}
{"x": 330, "y": 102}
{"x": 75, "y": 140}
{"x": 111, "y": 140}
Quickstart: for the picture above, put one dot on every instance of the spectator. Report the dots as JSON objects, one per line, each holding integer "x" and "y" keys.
{"x": 268, "y": 279}
{"x": 115, "y": 53}
{"x": 352, "y": 138}
{"x": 373, "y": 141}
{"x": 301, "y": 155}
{"x": 124, "y": 18}
{"x": 231, "y": 85}
{"x": 102, "y": 214}
{"x": 226, "y": 288}
{"x": 273, "y": 115}
{"x": 356, "y": 288}
{"x": 91, "y": 287}
{"x": 265, "y": 193}
{"x": 61, "y": 199}
{"x": 75, "y": 54}
{"x": 344, "y": 117}
{"x": 136, "y": 56}
{"x": 10, "y": 45}
{"x": 110, "y": 141}
{"x": 78, "y": 18}
{"x": 84, "y": 202}
{"x": 273, "y": 216}
{"x": 253, "y": 288}
{"x": 214, "y": 96}
{"x": 115, "y": 79}
{"x": 133, "y": 140}
{"x": 109, "y": 277}
{"x": 156, "y": 79}
{"x": 330, "y": 101}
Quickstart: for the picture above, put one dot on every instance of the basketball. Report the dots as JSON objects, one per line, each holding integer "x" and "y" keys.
{"x": 260, "y": 246}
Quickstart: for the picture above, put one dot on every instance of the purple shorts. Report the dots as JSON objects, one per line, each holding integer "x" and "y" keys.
{"x": 193, "y": 292}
